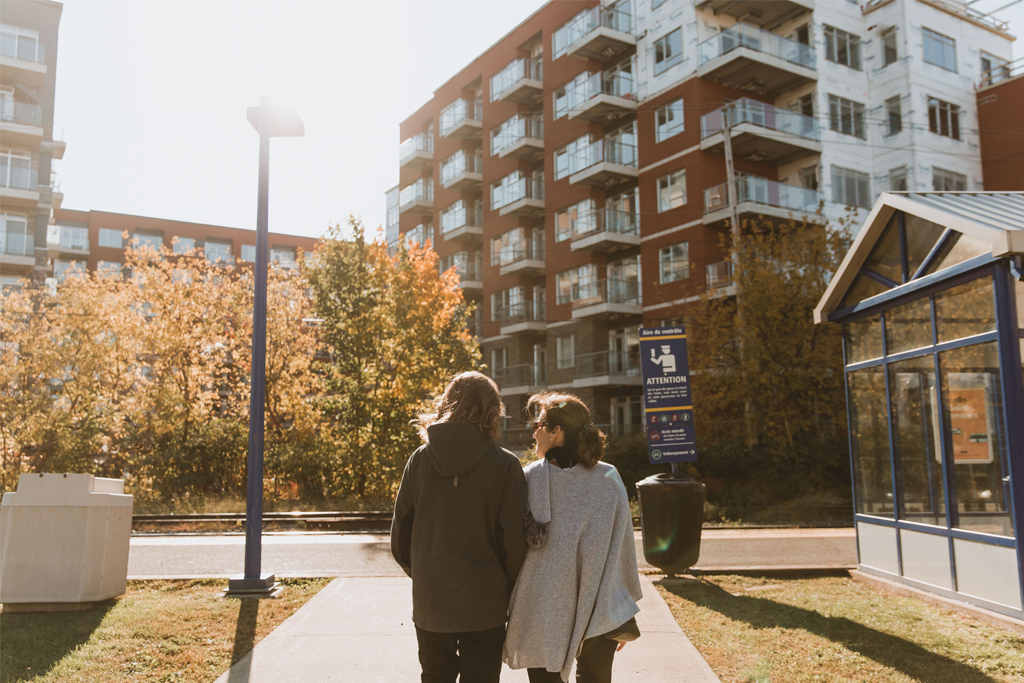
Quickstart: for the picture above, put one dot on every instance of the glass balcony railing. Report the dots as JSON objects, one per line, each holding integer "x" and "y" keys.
{"x": 420, "y": 191}
{"x": 18, "y": 177}
{"x": 522, "y": 312}
{"x": 719, "y": 274}
{"x": 461, "y": 218}
{"x": 460, "y": 163}
{"x": 517, "y": 128}
{"x": 529, "y": 374}
{"x": 605, "y": 220}
{"x": 611, "y": 150}
{"x": 21, "y": 112}
{"x": 22, "y": 47}
{"x": 608, "y": 363}
{"x": 421, "y": 142}
{"x": 524, "y": 188}
{"x": 610, "y": 291}
{"x": 523, "y": 250}
{"x": 745, "y": 35}
{"x": 618, "y": 17}
{"x": 615, "y": 83}
{"x": 763, "y": 191}
{"x": 17, "y": 243}
{"x": 460, "y": 112}
{"x": 763, "y": 115}
{"x": 514, "y": 72}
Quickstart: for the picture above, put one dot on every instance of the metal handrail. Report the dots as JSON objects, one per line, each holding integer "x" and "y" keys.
{"x": 453, "y": 219}
{"x": 523, "y": 311}
{"x": 524, "y": 188}
{"x": 515, "y": 71}
{"x": 760, "y": 114}
{"x": 610, "y": 290}
{"x": 459, "y": 112}
{"x": 588, "y": 21}
{"x": 608, "y": 363}
{"x": 21, "y": 112}
{"x": 754, "y": 38}
{"x": 607, "y": 149}
{"x": 460, "y": 163}
{"x": 763, "y": 191}
{"x": 421, "y": 142}
{"x": 421, "y": 190}
{"x": 719, "y": 274}
{"x": 604, "y": 220}
{"x": 521, "y": 250}
{"x": 517, "y": 128}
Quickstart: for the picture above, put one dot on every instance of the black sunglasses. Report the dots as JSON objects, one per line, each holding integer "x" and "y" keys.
{"x": 533, "y": 424}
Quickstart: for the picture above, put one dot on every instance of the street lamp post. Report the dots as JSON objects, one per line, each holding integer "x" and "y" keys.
{"x": 270, "y": 122}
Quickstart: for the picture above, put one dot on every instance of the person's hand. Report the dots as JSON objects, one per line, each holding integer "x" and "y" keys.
{"x": 620, "y": 646}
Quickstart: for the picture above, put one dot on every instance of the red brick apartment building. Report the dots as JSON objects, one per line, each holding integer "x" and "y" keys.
{"x": 574, "y": 173}
{"x": 1001, "y": 123}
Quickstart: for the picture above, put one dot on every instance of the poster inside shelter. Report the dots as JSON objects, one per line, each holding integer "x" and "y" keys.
{"x": 970, "y": 425}
{"x": 668, "y": 403}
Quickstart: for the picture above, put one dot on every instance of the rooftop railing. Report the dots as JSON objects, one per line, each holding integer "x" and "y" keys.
{"x": 763, "y": 191}
{"x": 605, "y": 220}
{"x": 517, "y": 128}
{"x": 611, "y": 150}
{"x": 521, "y": 312}
{"x": 523, "y": 250}
{"x": 524, "y": 188}
{"x": 17, "y": 243}
{"x": 618, "y": 17}
{"x": 515, "y": 71}
{"x": 459, "y": 112}
{"x": 461, "y": 218}
{"x": 421, "y": 142}
{"x": 760, "y": 114}
{"x": 21, "y": 112}
{"x": 460, "y": 163}
{"x": 21, "y": 47}
{"x": 421, "y": 190}
{"x": 608, "y": 363}
{"x": 19, "y": 178}
{"x": 754, "y": 38}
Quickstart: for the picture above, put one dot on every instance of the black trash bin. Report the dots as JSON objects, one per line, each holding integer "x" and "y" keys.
{"x": 671, "y": 516}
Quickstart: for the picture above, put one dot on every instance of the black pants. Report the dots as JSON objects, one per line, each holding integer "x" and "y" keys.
{"x": 474, "y": 657}
{"x": 594, "y": 665}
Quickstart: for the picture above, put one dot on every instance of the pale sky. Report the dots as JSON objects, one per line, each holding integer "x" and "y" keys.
{"x": 152, "y": 95}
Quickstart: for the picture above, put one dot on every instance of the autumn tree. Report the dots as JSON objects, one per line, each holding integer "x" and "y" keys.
{"x": 396, "y": 332}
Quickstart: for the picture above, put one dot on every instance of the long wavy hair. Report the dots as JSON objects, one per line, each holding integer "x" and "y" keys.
{"x": 470, "y": 397}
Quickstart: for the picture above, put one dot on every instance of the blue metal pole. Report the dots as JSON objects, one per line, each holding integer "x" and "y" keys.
{"x": 254, "y": 491}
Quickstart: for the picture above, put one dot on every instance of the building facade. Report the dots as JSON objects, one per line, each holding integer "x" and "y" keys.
{"x": 577, "y": 175}
{"x": 28, "y": 191}
{"x": 1000, "y": 103}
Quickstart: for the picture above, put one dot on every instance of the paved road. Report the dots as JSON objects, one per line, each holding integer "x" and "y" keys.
{"x": 308, "y": 554}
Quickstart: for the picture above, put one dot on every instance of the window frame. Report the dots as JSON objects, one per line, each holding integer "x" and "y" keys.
{"x": 944, "y": 118}
{"x": 665, "y": 130}
{"x": 930, "y": 39}
{"x": 894, "y": 115}
{"x": 947, "y": 175}
{"x": 109, "y": 233}
{"x": 669, "y": 182}
{"x": 839, "y": 43}
{"x": 837, "y": 108}
{"x": 858, "y": 177}
{"x": 664, "y": 47}
{"x": 673, "y": 267}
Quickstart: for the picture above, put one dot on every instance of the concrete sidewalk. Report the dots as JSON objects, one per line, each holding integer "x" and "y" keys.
{"x": 359, "y": 630}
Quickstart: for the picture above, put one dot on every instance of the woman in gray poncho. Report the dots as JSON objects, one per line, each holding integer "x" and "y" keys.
{"x": 579, "y": 581}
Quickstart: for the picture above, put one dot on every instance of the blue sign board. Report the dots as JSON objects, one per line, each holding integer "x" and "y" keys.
{"x": 668, "y": 404}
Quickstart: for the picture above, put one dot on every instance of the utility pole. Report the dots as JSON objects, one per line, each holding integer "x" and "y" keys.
{"x": 732, "y": 197}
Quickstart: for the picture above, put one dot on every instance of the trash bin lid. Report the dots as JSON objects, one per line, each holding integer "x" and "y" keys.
{"x": 669, "y": 479}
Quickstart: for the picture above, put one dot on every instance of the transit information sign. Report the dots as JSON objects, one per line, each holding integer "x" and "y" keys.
{"x": 668, "y": 404}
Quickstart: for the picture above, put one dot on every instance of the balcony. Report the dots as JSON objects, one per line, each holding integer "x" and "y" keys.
{"x": 23, "y": 60}
{"x": 462, "y": 171}
{"x": 719, "y": 274}
{"x": 603, "y": 97}
{"x": 604, "y": 163}
{"x": 523, "y": 197}
{"x": 763, "y": 197}
{"x": 73, "y": 241}
{"x": 462, "y": 119}
{"x": 521, "y": 81}
{"x": 19, "y": 185}
{"x": 521, "y": 379}
{"x": 520, "y": 137}
{"x": 21, "y": 123}
{"x": 417, "y": 198}
{"x": 766, "y": 15}
{"x": 603, "y": 33}
{"x": 761, "y": 132}
{"x": 606, "y": 298}
{"x": 605, "y": 230}
{"x": 524, "y": 258}
{"x": 525, "y": 317}
{"x": 416, "y": 152}
{"x": 745, "y": 57}
{"x": 462, "y": 224}
{"x": 17, "y": 250}
{"x": 606, "y": 368}
{"x": 470, "y": 277}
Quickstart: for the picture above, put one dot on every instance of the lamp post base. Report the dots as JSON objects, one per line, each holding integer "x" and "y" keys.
{"x": 263, "y": 587}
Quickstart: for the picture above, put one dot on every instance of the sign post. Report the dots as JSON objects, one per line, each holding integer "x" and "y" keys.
{"x": 668, "y": 403}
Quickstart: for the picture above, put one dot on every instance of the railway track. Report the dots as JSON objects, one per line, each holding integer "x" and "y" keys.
{"x": 310, "y": 521}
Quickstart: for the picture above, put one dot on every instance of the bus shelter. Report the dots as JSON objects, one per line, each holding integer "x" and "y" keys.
{"x": 931, "y": 300}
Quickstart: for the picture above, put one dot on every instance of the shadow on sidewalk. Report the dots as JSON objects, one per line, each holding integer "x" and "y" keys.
{"x": 245, "y": 638}
{"x": 32, "y": 644}
{"x": 888, "y": 650}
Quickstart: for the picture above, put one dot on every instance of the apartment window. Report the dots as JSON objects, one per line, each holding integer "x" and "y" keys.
{"x": 74, "y": 238}
{"x": 111, "y": 238}
{"x": 898, "y": 179}
{"x": 8, "y": 285}
{"x": 672, "y": 190}
{"x": 217, "y": 252}
{"x": 993, "y": 69}
{"x": 893, "y": 116}
{"x": 675, "y": 262}
{"x": 65, "y": 269}
{"x": 147, "y": 239}
{"x": 803, "y": 35}
{"x": 655, "y": 4}
{"x": 499, "y": 360}
{"x": 283, "y": 256}
{"x": 568, "y": 218}
{"x": 109, "y": 269}
{"x": 846, "y": 117}
{"x": 627, "y": 414}
{"x": 948, "y": 181}
{"x": 808, "y": 177}
{"x": 14, "y": 237}
{"x": 183, "y": 245}
{"x": 842, "y": 47}
{"x": 572, "y": 284}
{"x": 851, "y": 187}
{"x": 570, "y": 95}
{"x": 668, "y": 120}
{"x": 503, "y": 302}
{"x": 939, "y": 50}
{"x": 943, "y": 118}
{"x": 668, "y": 51}
{"x": 249, "y": 253}
{"x": 889, "y": 52}
{"x": 566, "y": 157}
{"x": 565, "y": 347}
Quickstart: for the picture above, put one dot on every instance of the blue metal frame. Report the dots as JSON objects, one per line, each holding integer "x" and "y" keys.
{"x": 926, "y": 264}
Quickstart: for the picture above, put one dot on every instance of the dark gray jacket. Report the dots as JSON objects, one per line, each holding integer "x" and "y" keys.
{"x": 458, "y": 529}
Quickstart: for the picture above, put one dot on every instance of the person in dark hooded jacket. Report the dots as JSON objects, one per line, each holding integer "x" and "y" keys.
{"x": 458, "y": 532}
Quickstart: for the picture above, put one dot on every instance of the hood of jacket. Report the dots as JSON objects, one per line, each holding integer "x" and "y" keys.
{"x": 455, "y": 448}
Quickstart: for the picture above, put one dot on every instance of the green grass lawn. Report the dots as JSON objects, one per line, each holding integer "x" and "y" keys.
{"x": 166, "y": 631}
{"x": 756, "y": 630}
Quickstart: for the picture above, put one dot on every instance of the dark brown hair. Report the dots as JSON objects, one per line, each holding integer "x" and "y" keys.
{"x": 470, "y": 397}
{"x": 573, "y": 416}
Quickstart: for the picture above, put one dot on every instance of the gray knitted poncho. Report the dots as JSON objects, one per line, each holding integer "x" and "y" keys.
{"x": 583, "y": 581}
